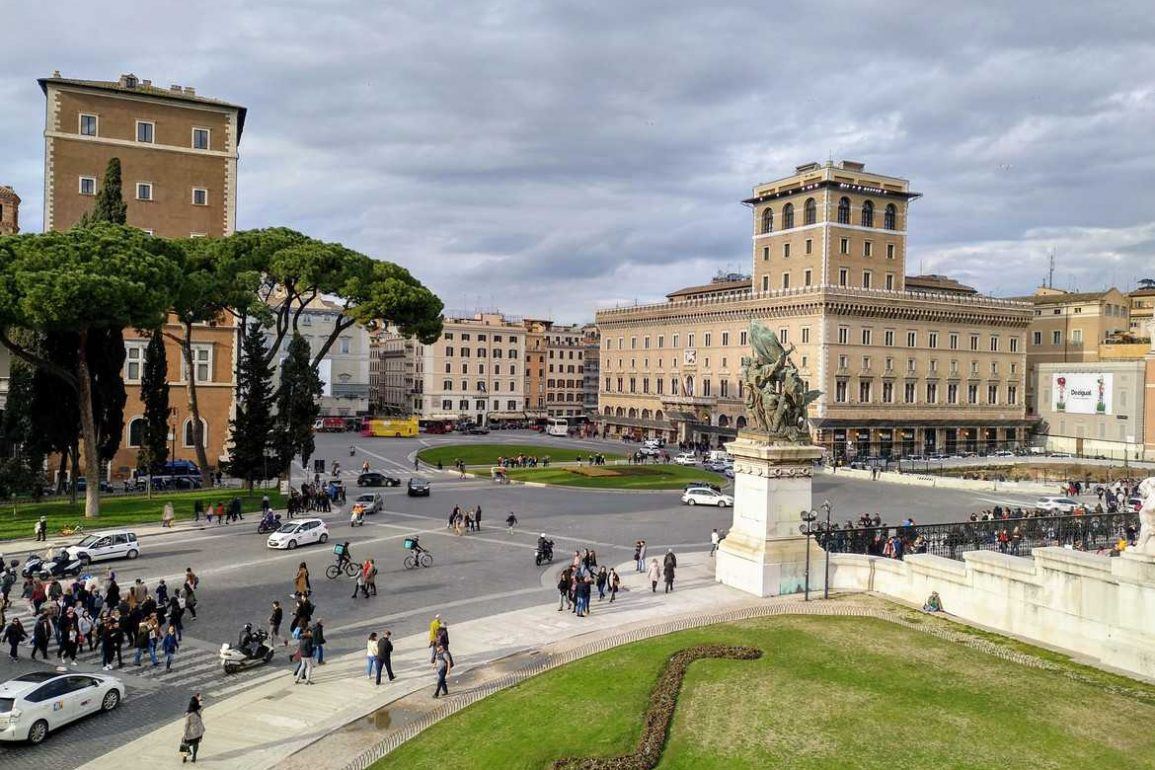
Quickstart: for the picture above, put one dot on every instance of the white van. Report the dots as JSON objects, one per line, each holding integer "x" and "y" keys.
{"x": 719, "y": 456}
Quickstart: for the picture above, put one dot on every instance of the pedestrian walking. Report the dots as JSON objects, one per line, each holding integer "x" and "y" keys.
{"x": 384, "y": 655}
{"x": 167, "y": 516}
{"x": 434, "y": 629}
{"x": 371, "y": 578}
{"x": 615, "y": 583}
{"x": 301, "y": 583}
{"x": 14, "y": 634}
{"x": 602, "y": 578}
{"x": 443, "y": 663}
{"x": 169, "y": 645}
{"x": 510, "y": 522}
{"x": 563, "y": 580}
{"x": 194, "y": 730}
{"x": 41, "y": 633}
{"x": 319, "y": 640}
{"x": 275, "y": 619}
{"x": 41, "y": 529}
{"x": 654, "y": 574}
{"x": 305, "y": 671}
{"x": 371, "y": 654}
{"x": 668, "y": 566}
{"x": 714, "y": 539}
{"x": 477, "y": 519}
{"x": 640, "y": 555}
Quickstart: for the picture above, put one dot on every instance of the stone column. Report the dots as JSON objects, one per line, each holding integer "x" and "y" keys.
{"x": 763, "y": 553}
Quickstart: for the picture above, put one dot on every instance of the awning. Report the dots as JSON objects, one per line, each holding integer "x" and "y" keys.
{"x": 444, "y": 416}
{"x": 506, "y": 415}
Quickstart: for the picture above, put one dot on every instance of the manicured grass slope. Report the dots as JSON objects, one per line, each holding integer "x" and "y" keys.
{"x": 122, "y": 510}
{"x": 619, "y": 476}
{"x": 828, "y": 693}
{"x": 487, "y": 454}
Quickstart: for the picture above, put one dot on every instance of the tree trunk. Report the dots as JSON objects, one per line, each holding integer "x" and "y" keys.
{"x": 193, "y": 405}
{"x": 88, "y": 433}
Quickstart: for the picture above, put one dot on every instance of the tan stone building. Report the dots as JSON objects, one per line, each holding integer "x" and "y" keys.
{"x": 9, "y": 211}
{"x": 1142, "y": 309}
{"x": 1070, "y": 327}
{"x": 394, "y": 377}
{"x": 178, "y": 154}
{"x": 474, "y": 371}
{"x": 907, "y": 365}
{"x": 535, "y": 353}
{"x": 565, "y": 372}
{"x": 591, "y": 346}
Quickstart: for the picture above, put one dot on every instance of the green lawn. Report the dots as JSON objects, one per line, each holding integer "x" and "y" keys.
{"x": 120, "y": 510}
{"x": 617, "y": 476}
{"x": 828, "y": 692}
{"x": 487, "y": 454}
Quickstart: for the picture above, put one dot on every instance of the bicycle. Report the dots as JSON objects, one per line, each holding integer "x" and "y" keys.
{"x": 334, "y": 570}
{"x": 75, "y": 529}
{"x": 417, "y": 556}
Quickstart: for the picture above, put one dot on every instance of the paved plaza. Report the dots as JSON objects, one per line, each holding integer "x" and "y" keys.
{"x": 474, "y": 577}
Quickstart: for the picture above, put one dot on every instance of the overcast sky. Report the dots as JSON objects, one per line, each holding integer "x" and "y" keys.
{"x": 549, "y": 158}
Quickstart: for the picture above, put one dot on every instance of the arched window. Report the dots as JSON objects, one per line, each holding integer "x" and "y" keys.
{"x": 844, "y": 211}
{"x": 888, "y": 219}
{"x": 646, "y": 414}
{"x": 768, "y": 220}
{"x": 740, "y": 423}
{"x": 633, "y": 413}
{"x": 188, "y": 432}
{"x": 723, "y": 421}
{"x": 868, "y": 214}
{"x": 788, "y": 216}
{"x": 620, "y": 412}
{"x": 607, "y": 411}
{"x": 810, "y": 214}
{"x": 136, "y": 432}
{"x": 658, "y": 414}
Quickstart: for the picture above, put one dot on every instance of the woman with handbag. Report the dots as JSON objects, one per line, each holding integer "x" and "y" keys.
{"x": 194, "y": 730}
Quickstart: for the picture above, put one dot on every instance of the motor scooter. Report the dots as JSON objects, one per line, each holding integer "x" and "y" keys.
{"x": 256, "y": 653}
{"x": 357, "y": 516}
{"x": 269, "y": 525}
{"x": 544, "y": 552}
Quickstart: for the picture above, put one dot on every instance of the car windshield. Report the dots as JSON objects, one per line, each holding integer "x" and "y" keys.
{"x": 89, "y": 540}
{"x": 287, "y": 528}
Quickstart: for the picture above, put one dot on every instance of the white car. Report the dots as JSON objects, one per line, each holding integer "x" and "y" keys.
{"x": 35, "y": 704}
{"x": 105, "y": 545}
{"x": 706, "y": 496}
{"x": 685, "y": 458}
{"x": 1056, "y": 504}
{"x": 299, "y": 532}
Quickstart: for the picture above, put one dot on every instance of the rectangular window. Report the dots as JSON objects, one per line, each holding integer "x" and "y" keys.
{"x": 952, "y": 393}
{"x": 953, "y": 341}
{"x": 725, "y": 339}
{"x": 676, "y": 341}
{"x": 866, "y": 279}
{"x": 974, "y": 342}
{"x": 742, "y": 338}
{"x": 200, "y": 138}
{"x": 1037, "y": 338}
{"x": 133, "y": 361}
{"x": 867, "y": 248}
{"x": 809, "y": 245}
{"x": 807, "y": 278}
{"x": 932, "y": 340}
{"x": 911, "y": 365}
{"x": 866, "y": 336}
{"x": 88, "y": 125}
{"x": 843, "y": 276}
{"x": 345, "y": 345}
{"x": 786, "y": 280}
{"x": 840, "y": 388}
{"x": 784, "y": 335}
{"x": 202, "y": 363}
{"x": 843, "y": 335}
{"x": 888, "y": 338}
{"x": 765, "y": 283}
{"x": 908, "y": 394}
{"x": 888, "y": 392}
{"x": 200, "y": 196}
{"x": 646, "y": 342}
{"x": 145, "y": 131}
{"x": 805, "y": 334}
{"x": 864, "y": 392}
{"x": 1012, "y": 395}
{"x": 911, "y": 339}
{"x": 1056, "y": 337}
{"x": 890, "y": 281}
{"x": 890, "y": 251}
{"x": 992, "y": 394}
{"x": 690, "y": 340}
{"x": 932, "y": 392}
{"x": 972, "y": 394}
{"x": 1077, "y": 336}
{"x": 765, "y": 253}
{"x": 786, "y": 249}
{"x": 88, "y": 185}
{"x": 708, "y": 338}
{"x": 994, "y": 344}
{"x": 866, "y": 363}
{"x": 144, "y": 191}
{"x": 1014, "y": 342}
{"x": 844, "y": 246}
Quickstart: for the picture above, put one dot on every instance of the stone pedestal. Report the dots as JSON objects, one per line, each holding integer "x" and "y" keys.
{"x": 763, "y": 553}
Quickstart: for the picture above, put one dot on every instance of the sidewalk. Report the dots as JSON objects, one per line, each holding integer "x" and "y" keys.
{"x": 31, "y": 545}
{"x": 264, "y": 726}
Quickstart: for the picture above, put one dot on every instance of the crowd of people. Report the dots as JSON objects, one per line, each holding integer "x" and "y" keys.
{"x": 469, "y": 520}
{"x": 99, "y": 614}
{"x": 576, "y": 581}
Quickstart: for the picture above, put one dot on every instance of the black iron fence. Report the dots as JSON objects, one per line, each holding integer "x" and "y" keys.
{"x": 1016, "y": 537}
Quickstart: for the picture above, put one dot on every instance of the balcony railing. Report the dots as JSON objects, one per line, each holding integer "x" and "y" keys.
{"x": 347, "y": 390}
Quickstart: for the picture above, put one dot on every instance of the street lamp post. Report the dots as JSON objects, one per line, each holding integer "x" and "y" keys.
{"x": 807, "y": 528}
{"x": 828, "y": 507}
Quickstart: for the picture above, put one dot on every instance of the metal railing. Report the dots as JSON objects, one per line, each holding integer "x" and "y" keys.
{"x": 1017, "y": 537}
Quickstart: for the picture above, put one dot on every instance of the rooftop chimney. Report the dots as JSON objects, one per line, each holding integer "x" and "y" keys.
{"x": 190, "y": 90}
{"x": 175, "y": 88}
{"x": 127, "y": 81}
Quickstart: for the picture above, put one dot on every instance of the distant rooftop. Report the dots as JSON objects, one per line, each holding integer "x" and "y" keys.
{"x": 938, "y": 283}
{"x": 131, "y": 84}
{"x": 719, "y": 285}
{"x": 1059, "y": 297}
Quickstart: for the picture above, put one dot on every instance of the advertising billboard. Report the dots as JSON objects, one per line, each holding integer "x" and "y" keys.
{"x": 1082, "y": 392}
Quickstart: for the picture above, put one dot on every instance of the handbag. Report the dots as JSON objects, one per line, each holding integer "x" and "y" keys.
{"x": 184, "y": 747}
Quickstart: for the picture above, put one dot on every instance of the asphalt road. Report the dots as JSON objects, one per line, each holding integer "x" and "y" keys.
{"x": 472, "y": 575}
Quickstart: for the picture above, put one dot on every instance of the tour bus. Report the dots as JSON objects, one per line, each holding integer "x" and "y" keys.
{"x": 393, "y": 427}
{"x": 557, "y": 426}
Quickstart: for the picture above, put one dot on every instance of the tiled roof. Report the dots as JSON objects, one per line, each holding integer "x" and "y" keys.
{"x": 937, "y": 283}
{"x": 1064, "y": 298}
{"x": 715, "y": 287}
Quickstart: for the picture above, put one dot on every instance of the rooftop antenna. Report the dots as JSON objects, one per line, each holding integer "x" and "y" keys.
{"x": 1051, "y": 271}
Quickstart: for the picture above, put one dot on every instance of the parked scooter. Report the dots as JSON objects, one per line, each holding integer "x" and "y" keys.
{"x": 33, "y": 565}
{"x": 269, "y": 524}
{"x": 59, "y": 566}
{"x": 252, "y": 650}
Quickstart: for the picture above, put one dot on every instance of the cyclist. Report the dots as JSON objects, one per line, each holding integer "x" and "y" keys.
{"x": 344, "y": 557}
{"x": 416, "y": 546}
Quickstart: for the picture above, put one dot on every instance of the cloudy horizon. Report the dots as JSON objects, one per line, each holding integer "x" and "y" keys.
{"x": 551, "y": 159}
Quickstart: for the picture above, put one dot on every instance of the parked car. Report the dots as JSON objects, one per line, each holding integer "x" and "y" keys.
{"x": 299, "y": 532}
{"x": 418, "y": 488}
{"x": 704, "y": 496}
{"x": 33, "y": 705}
{"x": 376, "y": 479}
{"x": 1063, "y": 455}
{"x": 478, "y": 430}
{"x": 1003, "y": 453}
{"x": 106, "y": 545}
{"x": 685, "y": 458}
{"x": 649, "y": 451}
{"x": 373, "y": 502}
{"x": 1056, "y": 504}
{"x": 82, "y": 485}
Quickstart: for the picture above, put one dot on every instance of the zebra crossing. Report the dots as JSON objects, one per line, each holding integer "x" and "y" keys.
{"x": 195, "y": 666}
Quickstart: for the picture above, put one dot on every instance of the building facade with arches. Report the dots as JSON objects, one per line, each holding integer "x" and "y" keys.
{"x": 907, "y": 364}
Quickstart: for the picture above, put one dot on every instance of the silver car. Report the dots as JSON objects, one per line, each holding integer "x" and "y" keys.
{"x": 374, "y": 502}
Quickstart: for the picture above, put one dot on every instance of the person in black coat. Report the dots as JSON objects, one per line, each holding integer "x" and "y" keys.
{"x": 384, "y": 653}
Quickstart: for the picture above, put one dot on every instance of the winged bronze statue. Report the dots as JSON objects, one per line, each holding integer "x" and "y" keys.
{"x": 776, "y": 395}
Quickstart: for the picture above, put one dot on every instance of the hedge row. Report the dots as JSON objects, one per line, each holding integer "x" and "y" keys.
{"x": 660, "y": 714}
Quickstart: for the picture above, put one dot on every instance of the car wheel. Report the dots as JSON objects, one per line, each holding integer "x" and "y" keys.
{"x": 132, "y": 554}
{"x": 721, "y": 503}
{"x": 323, "y": 538}
{"x": 111, "y": 700}
{"x": 38, "y": 732}
{"x": 691, "y": 502}
{"x": 292, "y": 544}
